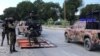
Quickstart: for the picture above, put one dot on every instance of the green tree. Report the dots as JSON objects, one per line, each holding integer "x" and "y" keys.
{"x": 39, "y": 6}
{"x": 11, "y": 11}
{"x": 24, "y": 8}
{"x": 71, "y": 8}
{"x": 50, "y": 10}
{"x": 2, "y": 17}
{"x": 90, "y": 9}
{"x": 46, "y": 10}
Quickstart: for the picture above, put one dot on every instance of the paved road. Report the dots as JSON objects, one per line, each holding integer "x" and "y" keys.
{"x": 62, "y": 49}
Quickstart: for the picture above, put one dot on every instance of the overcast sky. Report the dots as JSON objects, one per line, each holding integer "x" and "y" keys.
{"x": 13, "y": 3}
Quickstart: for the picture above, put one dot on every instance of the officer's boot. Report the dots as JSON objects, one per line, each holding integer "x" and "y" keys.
{"x": 14, "y": 50}
{"x": 37, "y": 42}
{"x": 11, "y": 50}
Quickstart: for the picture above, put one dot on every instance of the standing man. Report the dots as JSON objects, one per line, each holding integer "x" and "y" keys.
{"x": 5, "y": 31}
{"x": 12, "y": 34}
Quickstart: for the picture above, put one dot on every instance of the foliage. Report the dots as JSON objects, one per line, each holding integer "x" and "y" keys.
{"x": 50, "y": 21}
{"x": 90, "y": 9}
{"x": 47, "y": 10}
{"x": 71, "y": 8}
{"x": 23, "y": 8}
{"x": 2, "y": 17}
{"x": 65, "y": 23}
{"x": 11, "y": 11}
{"x": 42, "y": 8}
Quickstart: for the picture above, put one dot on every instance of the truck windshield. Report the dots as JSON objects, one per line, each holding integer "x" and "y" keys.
{"x": 93, "y": 25}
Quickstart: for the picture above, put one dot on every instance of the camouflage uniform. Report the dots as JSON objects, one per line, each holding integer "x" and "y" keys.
{"x": 31, "y": 22}
{"x": 12, "y": 35}
{"x": 5, "y": 31}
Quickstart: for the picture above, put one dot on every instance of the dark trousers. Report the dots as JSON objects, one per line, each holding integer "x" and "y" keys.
{"x": 34, "y": 37}
{"x": 5, "y": 33}
{"x": 12, "y": 41}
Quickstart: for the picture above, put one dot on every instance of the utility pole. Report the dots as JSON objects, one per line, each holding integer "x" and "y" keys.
{"x": 64, "y": 9}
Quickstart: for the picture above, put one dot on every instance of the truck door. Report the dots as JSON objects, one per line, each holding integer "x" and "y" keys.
{"x": 79, "y": 33}
{"x": 73, "y": 31}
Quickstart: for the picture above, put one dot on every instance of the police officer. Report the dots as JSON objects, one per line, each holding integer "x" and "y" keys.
{"x": 12, "y": 34}
{"x": 5, "y": 31}
{"x": 31, "y": 21}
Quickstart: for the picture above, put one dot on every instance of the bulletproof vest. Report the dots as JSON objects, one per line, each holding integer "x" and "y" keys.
{"x": 31, "y": 23}
{"x": 11, "y": 29}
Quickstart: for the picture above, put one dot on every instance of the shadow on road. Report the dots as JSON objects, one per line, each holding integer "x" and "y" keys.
{"x": 97, "y": 49}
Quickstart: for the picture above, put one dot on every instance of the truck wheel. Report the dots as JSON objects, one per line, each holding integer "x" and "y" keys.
{"x": 88, "y": 45}
{"x": 67, "y": 38}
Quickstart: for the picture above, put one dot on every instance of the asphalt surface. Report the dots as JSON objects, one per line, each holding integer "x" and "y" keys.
{"x": 55, "y": 36}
